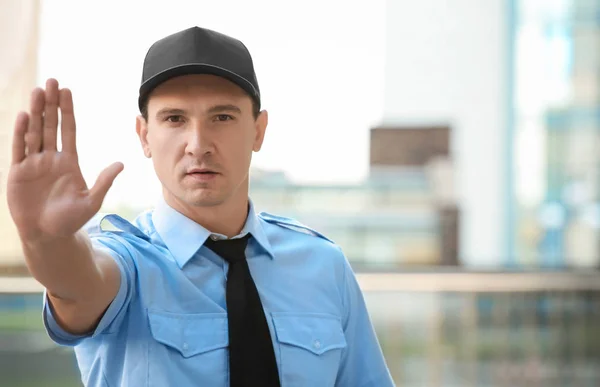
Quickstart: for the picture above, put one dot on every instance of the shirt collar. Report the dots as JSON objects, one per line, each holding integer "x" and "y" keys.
{"x": 184, "y": 237}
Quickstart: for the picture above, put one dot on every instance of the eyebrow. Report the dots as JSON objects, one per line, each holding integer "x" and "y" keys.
{"x": 224, "y": 108}
{"x": 170, "y": 111}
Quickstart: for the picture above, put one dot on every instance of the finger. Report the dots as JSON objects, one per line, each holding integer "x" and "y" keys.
{"x": 103, "y": 184}
{"x": 18, "y": 145}
{"x": 67, "y": 124}
{"x": 50, "y": 115}
{"x": 33, "y": 138}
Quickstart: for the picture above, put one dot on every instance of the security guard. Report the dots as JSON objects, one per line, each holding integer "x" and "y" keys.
{"x": 201, "y": 290}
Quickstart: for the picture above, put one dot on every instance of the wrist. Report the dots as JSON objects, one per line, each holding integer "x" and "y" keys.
{"x": 40, "y": 241}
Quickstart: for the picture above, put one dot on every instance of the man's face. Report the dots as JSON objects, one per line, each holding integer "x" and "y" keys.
{"x": 200, "y": 134}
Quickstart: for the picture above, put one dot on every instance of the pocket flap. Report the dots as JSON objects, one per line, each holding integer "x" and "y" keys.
{"x": 190, "y": 334}
{"x": 317, "y": 333}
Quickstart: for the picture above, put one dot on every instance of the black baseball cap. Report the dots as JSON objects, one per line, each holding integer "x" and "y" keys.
{"x": 198, "y": 51}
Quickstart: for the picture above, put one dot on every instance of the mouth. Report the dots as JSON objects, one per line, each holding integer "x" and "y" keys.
{"x": 202, "y": 175}
{"x": 206, "y": 173}
{"x": 201, "y": 171}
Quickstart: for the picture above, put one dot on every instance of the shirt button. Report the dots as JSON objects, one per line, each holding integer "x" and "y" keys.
{"x": 214, "y": 237}
{"x": 185, "y": 346}
{"x": 317, "y": 344}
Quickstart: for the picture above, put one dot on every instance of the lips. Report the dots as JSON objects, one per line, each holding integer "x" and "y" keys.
{"x": 201, "y": 171}
{"x": 201, "y": 175}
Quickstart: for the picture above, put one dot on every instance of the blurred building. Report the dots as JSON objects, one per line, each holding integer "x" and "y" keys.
{"x": 404, "y": 214}
{"x": 556, "y": 126}
{"x": 397, "y": 150}
{"x": 447, "y": 65}
{"x": 518, "y": 81}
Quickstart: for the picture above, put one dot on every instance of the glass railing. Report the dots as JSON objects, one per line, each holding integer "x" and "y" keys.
{"x": 482, "y": 329}
{"x": 436, "y": 329}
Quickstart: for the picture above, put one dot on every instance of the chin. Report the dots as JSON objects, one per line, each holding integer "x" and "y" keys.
{"x": 205, "y": 199}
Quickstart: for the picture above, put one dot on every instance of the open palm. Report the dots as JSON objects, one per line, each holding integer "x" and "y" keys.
{"x": 47, "y": 194}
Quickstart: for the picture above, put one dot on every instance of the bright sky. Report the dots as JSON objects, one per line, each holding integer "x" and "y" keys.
{"x": 320, "y": 66}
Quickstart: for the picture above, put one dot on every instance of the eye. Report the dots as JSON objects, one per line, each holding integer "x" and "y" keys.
{"x": 223, "y": 117}
{"x": 174, "y": 119}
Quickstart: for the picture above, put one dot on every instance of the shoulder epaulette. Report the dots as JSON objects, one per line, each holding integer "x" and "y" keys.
{"x": 120, "y": 225}
{"x": 291, "y": 224}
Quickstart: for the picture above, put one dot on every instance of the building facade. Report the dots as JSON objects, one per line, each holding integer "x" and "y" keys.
{"x": 556, "y": 128}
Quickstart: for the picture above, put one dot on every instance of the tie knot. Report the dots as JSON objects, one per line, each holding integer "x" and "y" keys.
{"x": 231, "y": 250}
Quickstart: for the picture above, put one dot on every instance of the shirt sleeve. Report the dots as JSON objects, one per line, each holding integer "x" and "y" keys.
{"x": 116, "y": 311}
{"x": 362, "y": 364}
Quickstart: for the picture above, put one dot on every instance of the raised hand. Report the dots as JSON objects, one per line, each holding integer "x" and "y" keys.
{"x": 47, "y": 194}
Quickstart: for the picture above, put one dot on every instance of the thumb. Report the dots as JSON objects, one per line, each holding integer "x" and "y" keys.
{"x": 103, "y": 184}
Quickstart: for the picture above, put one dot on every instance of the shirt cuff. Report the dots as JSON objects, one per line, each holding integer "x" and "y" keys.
{"x": 56, "y": 333}
{"x": 62, "y": 337}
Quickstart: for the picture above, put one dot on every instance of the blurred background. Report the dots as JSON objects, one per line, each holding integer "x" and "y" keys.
{"x": 450, "y": 147}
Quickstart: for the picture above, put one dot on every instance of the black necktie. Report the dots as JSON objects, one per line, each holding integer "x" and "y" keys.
{"x": 251, "y": 357}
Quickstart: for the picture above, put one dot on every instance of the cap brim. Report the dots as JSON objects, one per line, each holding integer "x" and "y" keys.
{"x": 195, "y": 68}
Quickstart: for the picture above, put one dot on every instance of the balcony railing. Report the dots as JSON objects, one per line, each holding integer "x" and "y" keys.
{"x": 436, "y": 329}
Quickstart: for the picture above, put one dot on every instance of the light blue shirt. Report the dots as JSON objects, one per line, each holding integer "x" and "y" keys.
{"x": 167, "y": 326}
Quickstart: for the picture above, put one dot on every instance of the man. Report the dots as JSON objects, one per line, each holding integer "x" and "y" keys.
{"x": 200, "y": 291}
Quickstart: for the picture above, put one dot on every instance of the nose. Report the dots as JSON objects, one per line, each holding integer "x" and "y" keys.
{"x": 199, "y": 141}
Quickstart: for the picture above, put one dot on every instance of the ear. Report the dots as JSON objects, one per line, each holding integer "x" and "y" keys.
{"x": 141, "y": 128}
{"x": 260, "y": 126}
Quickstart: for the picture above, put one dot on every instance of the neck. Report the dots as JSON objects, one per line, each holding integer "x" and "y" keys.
{"x": 227, "y": 218}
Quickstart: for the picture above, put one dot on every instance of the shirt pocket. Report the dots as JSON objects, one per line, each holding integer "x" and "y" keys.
{"x": 311, "y": 346}
{"x": 187, "y": 347}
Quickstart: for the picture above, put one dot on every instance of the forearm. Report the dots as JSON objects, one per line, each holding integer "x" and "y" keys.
{"x": 65, "y": 266}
